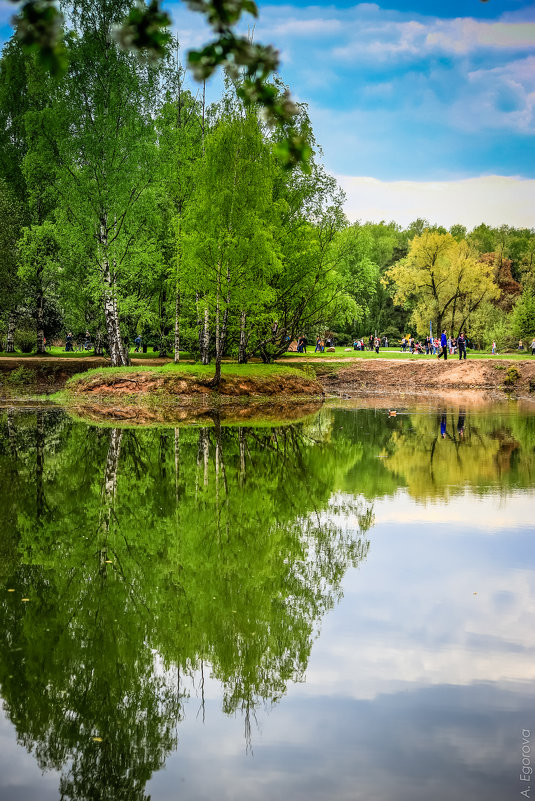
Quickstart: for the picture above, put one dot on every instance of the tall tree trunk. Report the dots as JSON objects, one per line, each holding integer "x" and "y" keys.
{"x": 177, "y": 326}
{"x": 203, "y": 113}
{"x": 164, "y": 329}
{"x": 217, "y": 377}
{"x": 118, "y": 355}
{"x": 40, "y": 318}
{"x": 242, "y": 350}
{"x": 220, "y": 346}
{"x": 11, "y": 325}
{"x": 205, "y": 339}
{"x": 98, "y": 343}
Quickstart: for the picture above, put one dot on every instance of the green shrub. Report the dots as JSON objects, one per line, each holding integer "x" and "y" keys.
{"x": 21, "y": 376}
{"x": 511, "y": 377}
{"x": 25, "y": 340}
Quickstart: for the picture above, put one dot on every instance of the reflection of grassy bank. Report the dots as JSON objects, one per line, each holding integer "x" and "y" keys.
{"x": 227, "y": 412}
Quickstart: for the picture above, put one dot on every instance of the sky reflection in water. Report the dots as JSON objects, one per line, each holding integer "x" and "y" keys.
{"x": 419, "y": 684}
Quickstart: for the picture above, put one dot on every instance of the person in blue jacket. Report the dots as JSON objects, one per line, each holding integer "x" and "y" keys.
{"x": 444, "y": 345}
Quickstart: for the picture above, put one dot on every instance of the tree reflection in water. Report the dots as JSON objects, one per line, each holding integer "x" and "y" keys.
{"x": 152, "y": 555}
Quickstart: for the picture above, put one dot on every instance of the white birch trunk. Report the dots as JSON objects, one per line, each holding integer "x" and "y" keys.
{"x": 11, "y": 325}
{"x": 118, "y": 356}
{"x": 205, "y": 345}
{"x": 242, "y": 350}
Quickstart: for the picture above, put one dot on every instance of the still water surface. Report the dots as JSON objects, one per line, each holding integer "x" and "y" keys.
{"x": 336, "y": 609}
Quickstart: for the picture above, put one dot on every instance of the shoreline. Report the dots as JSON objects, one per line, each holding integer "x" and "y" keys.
{"x": 158, "y": 384}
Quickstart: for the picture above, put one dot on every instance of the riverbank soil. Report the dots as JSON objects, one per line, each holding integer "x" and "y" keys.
{"x": 145, "y": 383}
{"x": 428, "y": 377}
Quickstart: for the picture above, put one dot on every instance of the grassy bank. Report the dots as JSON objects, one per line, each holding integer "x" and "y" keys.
{"x": 148, "y": 382}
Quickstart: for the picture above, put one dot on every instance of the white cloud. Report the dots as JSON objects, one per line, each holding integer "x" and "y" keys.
{"x": 389, "y": 37}
{"x": 465, "y": 35}
{"x": 501, "y": 97}
{"x": 494, "y": 199}
{"x": 318, "y": 26}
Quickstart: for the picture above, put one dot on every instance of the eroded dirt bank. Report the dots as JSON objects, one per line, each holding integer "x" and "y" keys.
{"x": 144, "y": 384}
{"x": 390, "y": 377}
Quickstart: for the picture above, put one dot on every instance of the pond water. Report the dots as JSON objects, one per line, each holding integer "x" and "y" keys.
{"x": 340, "y": 608}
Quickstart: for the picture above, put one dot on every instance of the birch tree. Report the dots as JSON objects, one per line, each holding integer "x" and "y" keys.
{"x": 104, "y": 140}
{"x": 231, "y": 245}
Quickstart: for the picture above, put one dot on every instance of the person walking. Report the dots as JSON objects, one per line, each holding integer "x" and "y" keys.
{"x": 444, "y": 346}
{"x": 318, "y": 345}
{"x": 461, "y": 344}
{"x": 493, "y": 348}
{"x": 532, "y": 346}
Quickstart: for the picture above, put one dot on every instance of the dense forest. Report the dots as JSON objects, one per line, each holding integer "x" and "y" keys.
{"x": 130, "y": 206}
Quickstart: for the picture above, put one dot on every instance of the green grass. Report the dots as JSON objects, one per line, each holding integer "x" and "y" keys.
{"x": 200, "y": 370}
{"x": 340, "y": 353}
{"x": 55, "y": 352}
{"x": 59, "y": 352}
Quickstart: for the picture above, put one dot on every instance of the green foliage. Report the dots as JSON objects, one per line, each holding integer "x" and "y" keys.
{"x": 444, "y": 280}
{"x": 125, "y": 170}
{"x": 25, "y": 340}
{"x": 523, "y": 317}
{"x": 21, "y": 376}
{"x": 39, "y": 28}
{"x": 202, "y": 582}
{"x": 145, "y": 30}
{"x": 511, "y": 377}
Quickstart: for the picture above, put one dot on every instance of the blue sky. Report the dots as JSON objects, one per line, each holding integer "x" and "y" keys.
{"x": 422, "y": 108}
{"x": 418, "y": 104}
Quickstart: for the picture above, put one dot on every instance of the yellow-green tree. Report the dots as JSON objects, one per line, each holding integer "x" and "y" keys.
{"x": 442, "y": 280}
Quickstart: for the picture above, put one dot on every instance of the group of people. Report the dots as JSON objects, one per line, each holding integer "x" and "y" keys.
{"x": 321, "y": 344}
{"x": 79, "y": 343}
{"x": 434, "y": 346}
{"x": 450, "y": 344}
{"x": 414, "y": 346}
{"x": 373, "y": 342}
